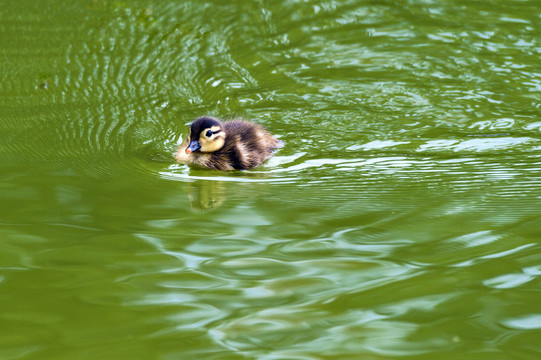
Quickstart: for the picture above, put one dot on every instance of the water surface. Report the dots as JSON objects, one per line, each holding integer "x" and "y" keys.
{"x": 401, "y": 219}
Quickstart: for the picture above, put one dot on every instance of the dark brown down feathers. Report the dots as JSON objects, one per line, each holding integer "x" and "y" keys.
{"x": 246, "y": 145}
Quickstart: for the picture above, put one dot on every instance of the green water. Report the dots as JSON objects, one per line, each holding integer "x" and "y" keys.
{"x": 400, "y": 221}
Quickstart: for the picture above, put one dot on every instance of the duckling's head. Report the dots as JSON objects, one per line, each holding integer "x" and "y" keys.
{"x": 206, "y": 135}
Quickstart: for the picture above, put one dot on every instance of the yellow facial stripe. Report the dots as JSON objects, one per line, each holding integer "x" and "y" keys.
{"x": 213, "y": 143}
{"x": 203, "y": 135}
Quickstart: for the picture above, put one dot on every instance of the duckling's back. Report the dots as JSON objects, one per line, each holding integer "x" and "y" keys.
{"x": 247, "y": 144}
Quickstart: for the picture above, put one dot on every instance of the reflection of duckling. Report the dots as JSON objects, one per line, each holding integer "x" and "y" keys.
{"x": 206, "y": 195}
{"x": 228, "y": 145}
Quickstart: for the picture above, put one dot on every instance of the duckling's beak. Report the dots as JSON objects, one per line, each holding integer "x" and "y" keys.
{"x": 194, "y": 146}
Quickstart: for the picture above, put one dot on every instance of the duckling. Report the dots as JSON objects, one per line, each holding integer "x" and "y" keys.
{"x": 227, "y": 145}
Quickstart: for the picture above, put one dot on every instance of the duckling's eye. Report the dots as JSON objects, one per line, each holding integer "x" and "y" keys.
{"x": 209, "y": 133}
